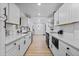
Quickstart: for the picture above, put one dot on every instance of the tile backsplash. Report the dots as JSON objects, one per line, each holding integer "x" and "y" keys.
{"x": 10, "y": 29}
{"x": 67, "y": 28}
{"x": 71, "y": 28}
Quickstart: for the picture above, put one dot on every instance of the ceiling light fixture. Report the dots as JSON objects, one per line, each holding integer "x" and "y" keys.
{"x": 38, "y": 14}
{"x": 38, "y": 4}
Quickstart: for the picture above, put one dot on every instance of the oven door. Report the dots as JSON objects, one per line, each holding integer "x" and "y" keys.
{"x": 55, "y": 41}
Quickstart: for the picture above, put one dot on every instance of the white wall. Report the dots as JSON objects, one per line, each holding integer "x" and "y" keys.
{"x": 39, "y": 28}
{"x": 45, "y": 23}
{"x": 38, "y": 24}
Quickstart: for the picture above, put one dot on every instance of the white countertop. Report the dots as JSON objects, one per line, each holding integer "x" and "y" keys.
{"x": 12, "y": 38}
{"x": 67, "y": 38}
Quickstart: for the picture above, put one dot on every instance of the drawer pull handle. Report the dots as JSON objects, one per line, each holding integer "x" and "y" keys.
{"x": 19, "y": 47}
{"x": 67, "y": 48}
{"x": 24, "y": 41}
{"x": 67, "y": 54}
{"x": 14, "y": 43}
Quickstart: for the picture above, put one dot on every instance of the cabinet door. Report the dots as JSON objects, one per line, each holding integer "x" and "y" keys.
{"x": 67, "y": 50}
{"x": 24, "y": 21}
{"x": 62, "y": 49}
{"x": 2, "y": 38}
{"x": 3, "y": 11}
{"x": 73, "y": 52}
{"x": 21, "y": 46}
{"x": 27, "y": 41}
{"x": 12, "y": 49}
{"x": 14, "y": 14}
{"x": 75, "y": 12}
{"x": 56, "y": 18}
{"x": 12, "y": 52}
{"x": 65, "y": 13}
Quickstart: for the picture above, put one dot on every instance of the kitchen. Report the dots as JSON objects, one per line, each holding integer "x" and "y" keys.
{"x": 39, "y": 29}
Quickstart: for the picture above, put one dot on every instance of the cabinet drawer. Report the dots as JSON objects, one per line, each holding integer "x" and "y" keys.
{"x": 72, "y": 51}
{"x": 11, "y": 46}
{"x": 12, "y": 52}
{"x": 66, "y": 49}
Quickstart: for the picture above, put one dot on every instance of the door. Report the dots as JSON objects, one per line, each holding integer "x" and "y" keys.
{"x": 39, "y": 28}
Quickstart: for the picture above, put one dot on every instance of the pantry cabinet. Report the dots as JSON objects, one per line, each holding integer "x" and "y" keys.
{"x": 13, "y": 14}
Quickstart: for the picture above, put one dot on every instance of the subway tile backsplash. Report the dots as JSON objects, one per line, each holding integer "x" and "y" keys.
{"x": 71, "y": 28}
{"x": 76, "y": 26}
{"x": 68, "y": 28}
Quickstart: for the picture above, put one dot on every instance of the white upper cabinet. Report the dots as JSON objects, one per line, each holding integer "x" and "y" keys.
{"x": 24, "y": 20}
{"x": 65, "y": 13}
{"x": 56, "y": 18}
{"x": 75, "y": 12}
{"x": 13, "y": 14}
{"x": 68, "y": 13}
{"x": 3, "y": 11}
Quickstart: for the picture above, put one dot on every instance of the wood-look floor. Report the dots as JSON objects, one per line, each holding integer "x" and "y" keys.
{"x": 38, "y": 47}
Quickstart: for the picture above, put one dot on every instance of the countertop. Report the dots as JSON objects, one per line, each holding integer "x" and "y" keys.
{"x": 12, "y": 38}
{"x": 67, "y": 38}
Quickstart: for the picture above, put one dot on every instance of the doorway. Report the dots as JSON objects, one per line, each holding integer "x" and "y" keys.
{"x": 39, "y": 28}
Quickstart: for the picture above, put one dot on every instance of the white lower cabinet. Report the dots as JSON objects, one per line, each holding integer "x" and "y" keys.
{"x": 73, "y": 52}
{"x": 66, "y": 50}
{"x": 19, "y": 47}
{"x": 12, "y": 49}
{"x": 23, "y": 45}
{"x": 62, "y": 49}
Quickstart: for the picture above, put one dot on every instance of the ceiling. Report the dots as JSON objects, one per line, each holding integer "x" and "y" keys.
{"x": 35, "y": 10}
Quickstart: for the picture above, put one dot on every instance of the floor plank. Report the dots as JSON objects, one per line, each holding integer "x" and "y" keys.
{"x": 38, "y": 47}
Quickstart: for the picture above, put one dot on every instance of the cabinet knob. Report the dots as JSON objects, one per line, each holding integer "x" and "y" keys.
{"x": 14, "y": 43}
{"x": 67, "y": 48}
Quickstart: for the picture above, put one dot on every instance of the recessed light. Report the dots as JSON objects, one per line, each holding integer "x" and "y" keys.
{"x": 38, "y": 14}
{"x": 38, "y": 4}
